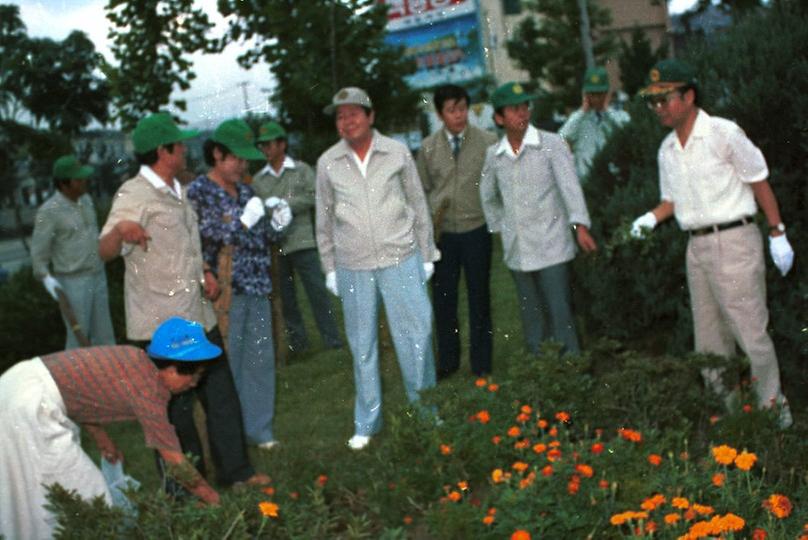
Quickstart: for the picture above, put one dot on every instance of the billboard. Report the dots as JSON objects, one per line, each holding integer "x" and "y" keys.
{"x": 441, "y": 36}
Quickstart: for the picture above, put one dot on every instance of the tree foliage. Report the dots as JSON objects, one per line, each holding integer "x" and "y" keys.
{"x": 547, "y": 45}
{"x": 313, "y": 48}
{"x": 151, "y": 40}
{"x": 636, "y": 59}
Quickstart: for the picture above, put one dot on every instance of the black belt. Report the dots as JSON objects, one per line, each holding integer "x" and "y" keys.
{"x": 720, "y": 227}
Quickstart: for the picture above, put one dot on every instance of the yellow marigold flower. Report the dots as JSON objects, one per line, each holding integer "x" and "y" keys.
{"x": 778, "y": 505}
{"x": 585, "y": 470}
{"x": 703, "y": 509}
{"x": 480, "y": 382}
{"x": 519, "y": 466}
{"x": 654, "y": 459}
{"x": 680, "y": 502}
{"x": 455, "y": 496}
{"x": 672, "y": 518}
{"x": 526, "y": 409}
{"x": 520, "y": 535}
{"x": 539, "y": 448}
{"x": 445, "y": 449}
{"x": 268, "y": 509}
{"x": 652, "y": 503}
{"x": 718, "y": 479}
{"x": 497, "y": 476}
{"x": 724, "y": 455}
{"x": 745, "y": 460}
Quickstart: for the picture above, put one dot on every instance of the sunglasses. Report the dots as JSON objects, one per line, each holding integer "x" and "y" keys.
{"x": 662, "y": 100}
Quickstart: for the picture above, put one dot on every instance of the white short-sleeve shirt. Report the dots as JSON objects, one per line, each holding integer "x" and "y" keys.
{"x": 708, "y": 179}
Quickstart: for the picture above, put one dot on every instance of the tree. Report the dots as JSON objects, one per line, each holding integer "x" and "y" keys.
{"x": 151, "y": 40}
{"x": 314, "y": 48}
{"x": 548, "y": 46}
{"x": 636, "y": 59}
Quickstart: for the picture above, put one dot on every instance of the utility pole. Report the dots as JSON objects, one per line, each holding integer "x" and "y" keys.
{"x": 243, "y": 85}
{"x": 586, "y": 38}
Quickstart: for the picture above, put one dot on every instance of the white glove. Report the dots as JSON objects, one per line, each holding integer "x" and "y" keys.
{"x": 272, "y": 202}
{"x": 646, "y": 221}
{"x": 253, "y": 211}
{"x": 281, "y": 216}
{"x": 331, "y": 283}
{"x": 51, "y": 285}
{"x": 429, "y": 269}
{"x": 782, "y": 254}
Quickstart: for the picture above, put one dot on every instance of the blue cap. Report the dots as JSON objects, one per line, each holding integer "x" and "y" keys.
{"x": 182, "y": 341}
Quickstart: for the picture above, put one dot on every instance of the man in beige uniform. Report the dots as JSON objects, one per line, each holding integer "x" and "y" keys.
{"x": 64, "y": 253}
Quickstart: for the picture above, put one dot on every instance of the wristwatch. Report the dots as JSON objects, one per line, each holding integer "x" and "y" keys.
{"x": 779, "y": 227}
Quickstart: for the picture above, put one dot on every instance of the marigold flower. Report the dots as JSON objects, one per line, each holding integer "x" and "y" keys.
{"x": 778, "y": 505}
{"x": 520, "y": 534}
{"x": 630, "y": 515}
{"x": 479, "y": 383}
{"x": 651, "y": 527}
{"x": 554, "y": 444}
{"x": 322, "y": 480}
{"x": 597, "y": 448}
{"x": 680, "y": 502}
{"x": 483, "y": 417}
{"x": 730, "y": 523}
{"x": 702, "y": 509}
{"x": 539, "y": 448}
{"x": 527, "y": 480}
{"x": 455, "y": 496}
{"x": 522, "y": 418}
{"x": 553, "y": 432}
{"x": 547, "y": 470}
{"x": 690, "y": 514}
{"x": 496, "y": 439}
{"x": 718, "y": 479}
{"x": 672, "y": 518}
{"x": 488, "y": 520}
{"x": 574, "y": 484}
{"x": 522, "y": 444}
{"x": 654, "y": 459}
{"x": 492, "y": 511}
{"x": 745, "y": 460}
{"x": 724, "y": 455}
{"x": 603, "y": 484}
{"x": 514, "y": 431}
{"x": 407, "y": 520}
{"x": 268, "y": 509}
{"x": 519, "y": 466}
{"x": 445, "y": 449}
{"x": 497, "y": 476}
{"x": 714, "y": 419}
{"x": 585, "y": 470}
{"x": 562, "y": 416}
{"x": 526, "y": 409}
{"x": 759, "y": 534}
{"x": 493, "y": 387}
{"x": 294, "y": 495}
{"x": 463, "y": 485}
{"x": 269, "y": 490}
{"x": 630, "y": 435}
{"x": 746, "y": 408}
{"x": 553, "y": 454}
{"x": 654, "y": 502}
{"x": 542, "y": 423}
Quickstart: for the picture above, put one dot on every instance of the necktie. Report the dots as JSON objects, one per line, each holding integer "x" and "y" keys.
{"x": 455, "y": 145}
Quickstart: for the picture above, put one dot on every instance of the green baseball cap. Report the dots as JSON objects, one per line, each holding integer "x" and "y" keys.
{"x": 596, "y": 80}
{"x": 271, "y": 131}
{"x": 668, "y": 75}
{"x": 238, "y": 137}
{"x": 156, "y": 130}
{"x": 69, "y": 167}
{"x": 511, "y": 93}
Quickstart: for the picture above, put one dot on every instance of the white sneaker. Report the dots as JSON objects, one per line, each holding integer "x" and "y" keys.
{"x": 358, "y": 442}
{"x": 268, "y": 445}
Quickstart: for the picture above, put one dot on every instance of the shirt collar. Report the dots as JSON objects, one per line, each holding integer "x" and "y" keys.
{"x": 450, "y": 135}
{"x": 155, "y": 180}
{"x": 701, "y": 129}
{"x": 531, "y": 138}
{"x": 377, "y": 144}
{"x": 288, "y": 163}
{"x": 66, "y": 200}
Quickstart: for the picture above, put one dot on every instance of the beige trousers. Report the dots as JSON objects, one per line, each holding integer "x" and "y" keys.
{"x": 726, "y": 275}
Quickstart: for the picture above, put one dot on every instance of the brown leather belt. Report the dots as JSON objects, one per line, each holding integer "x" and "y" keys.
{"x": 720, "y": 227}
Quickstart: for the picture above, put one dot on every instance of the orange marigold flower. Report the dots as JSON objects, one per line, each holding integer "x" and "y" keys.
{"x": 562, "y": 416}
{"x": 621, "y": 518}
{"x": 724, "y": 455}
{"x": 522, "y": 444}
{"x": 539, "y": 448}
{"x": 554, "y": 454}
{"x": 514, "y": 431}
{"x": 493, "y": 387}
{"x": 483, "y": 417}
{"x": 672, "y": 518}
{"x": 651, "y": 527}
{"x": 554, "y": 444}
{"x": 496, "y": 439}
{"x": 455, "y": 496}
{"x": 553, "y": 432}
{"x": 463, "y": 485}
{"x": 542, "y": 423}
{"x": 759, "y": 534}
{"x": 269, "y": 490}
{"x": 630, "y": 435}
{"x": 480, "y": 382}
{"x": 730, "y": 523}
{"x": 527, "y": 480}
{"x": 526, "y": 409}
{"x": 654, "y": 459}
{"x": 654, "y": 502}
{"x": 690, "y": 514}
{"x": 603, "y": 484}
{"x": 547, "y": 470}
{"x": 445, "y": 449}
{"x": 522, "y": 418}
{"x": 745, "y": 460}
{"x": 492, "y": 511}
{"x": 268, "y": 509}
{"x": 488, "y": 520}
{"x": 407, "y": 520}
{"x": 702, "y": 509}
{"x": 497, "y": 476}
{"x": 597, "y": 448}
{"x": 322, "y": 480}
{"x": 585, "y": 470}
{"x": 778, "y": 505}
{"x": 680, "y": 502}
{"x": 746, "y": 408}
{"x": 714, "y": 419}
{"x": 520, "y": 534}
{"x": 718, "y": 479}
{"x": 519, "y": 466}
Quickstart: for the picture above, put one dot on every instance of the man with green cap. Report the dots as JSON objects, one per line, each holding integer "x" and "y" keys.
{"x": 154, "y": 228}
{"x": 532, "y": 197}
{"x": 292, "y": 181}
{"x": 712, "y": 179}
{"x": 64, "y": 252}
{"x": 234, "y": 231}
{"x": 588, "y": 128}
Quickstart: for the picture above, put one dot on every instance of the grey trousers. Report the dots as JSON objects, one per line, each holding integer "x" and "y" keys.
{"x": 89, "y": 299}
{"x": 546, "y": 308}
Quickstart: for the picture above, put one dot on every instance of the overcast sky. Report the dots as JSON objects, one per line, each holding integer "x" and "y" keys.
{"x": 218, "y": 92}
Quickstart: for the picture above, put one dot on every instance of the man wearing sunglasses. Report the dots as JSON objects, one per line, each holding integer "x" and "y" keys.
{"x": 712, "y": 179}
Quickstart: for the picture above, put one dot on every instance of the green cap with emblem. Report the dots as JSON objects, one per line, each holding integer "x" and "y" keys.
{"x": 596, "y": 80}
{"x": 271, "y": 131}
{"x": 238, "y": 137}
{"x": 511, "y": 93}
{"x": 69, "y": 167}
{"x": 156, "y": 130}
{"x": 349, "y": 95}
{"x": 667, "y": 75}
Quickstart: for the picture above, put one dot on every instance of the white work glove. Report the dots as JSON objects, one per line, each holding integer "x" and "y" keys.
{"x": 51, "y": 285}
{"x": 646, "y": 221}
{"x": 281, "y": 216}
{"x": 272, "y": 202}
{"x": 253, "y": 211}
{"x": 429, "y": 270}
{"x": 782, "y": 254}
{"x": 331, "y": 283}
